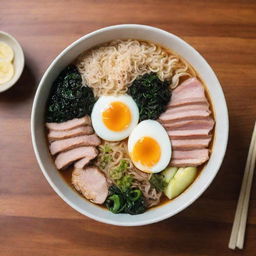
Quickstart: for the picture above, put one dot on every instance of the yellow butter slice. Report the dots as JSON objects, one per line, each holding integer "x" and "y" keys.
{"x": 6, "y": 52}
{"x": 6, "y": 72}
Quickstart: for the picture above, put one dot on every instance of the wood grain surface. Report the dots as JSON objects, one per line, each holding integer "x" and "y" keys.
{"x": 34, "y": 220}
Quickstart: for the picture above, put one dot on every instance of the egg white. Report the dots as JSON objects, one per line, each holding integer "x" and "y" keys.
{"x": 101, "y": 105}
{"x": 154, "y": 130}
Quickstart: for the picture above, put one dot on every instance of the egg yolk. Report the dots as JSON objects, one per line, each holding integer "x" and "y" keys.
{"x": 146, "y": 151}
{"x": 117, "y": 116}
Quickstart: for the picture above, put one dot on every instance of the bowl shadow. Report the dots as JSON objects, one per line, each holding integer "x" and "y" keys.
{"x": 22, "y": 90}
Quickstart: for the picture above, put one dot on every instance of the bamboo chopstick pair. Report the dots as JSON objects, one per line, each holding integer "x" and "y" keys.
{"x": 239, "y": 225}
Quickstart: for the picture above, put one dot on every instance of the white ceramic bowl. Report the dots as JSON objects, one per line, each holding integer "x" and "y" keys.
{"x": 18, "y": 61}
{"x": 40, "y": 144}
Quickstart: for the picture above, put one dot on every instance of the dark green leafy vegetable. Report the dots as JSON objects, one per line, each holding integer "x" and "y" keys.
{"x": 135, "y": 207}
{"x": 115, "y": 201}
{"x": 157, "y": 180}
{"x": 134, "y": 194}
{"x": 151, "y": 95}
{"x": 68, "y": 98}
{"x": 131, "y": 201}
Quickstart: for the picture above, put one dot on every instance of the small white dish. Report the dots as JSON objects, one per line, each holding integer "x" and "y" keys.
{"x": 18, "y": 61}
{"x": 40, "y": 145}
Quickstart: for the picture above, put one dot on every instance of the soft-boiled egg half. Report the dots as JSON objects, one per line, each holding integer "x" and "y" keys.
{"x": 114, "y": 117}
{"x": 149, "y": 147}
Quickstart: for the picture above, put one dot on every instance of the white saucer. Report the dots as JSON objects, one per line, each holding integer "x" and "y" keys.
{"x": 18, "y": 61}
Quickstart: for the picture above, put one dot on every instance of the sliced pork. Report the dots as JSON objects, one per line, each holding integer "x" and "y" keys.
{"x": 71, "y": 124}
{"x": 84, "y": 161}
{"x": 189, "y": 134}
{"x": 190, "y": 154}
{"x": 189, "y": 123}
{"x": 66, "y": 144}
{"x": 189, "y": 107}
{"x": 58, "y": 135}
{"x": 190, "y": 88}
{"x": 185, "y": 144}
{"x": 66, "y": 158}
{"x": 206, "y": 123}
{"x": 188, "y": 162}
{"x": 186, "y": 101}
{"x": 92, "y": 183}
{"x": 200, "y": 113}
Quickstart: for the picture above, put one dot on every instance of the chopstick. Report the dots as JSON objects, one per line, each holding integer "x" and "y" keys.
{"x": 239, "y": 225}
{"x": 240, "y": 237}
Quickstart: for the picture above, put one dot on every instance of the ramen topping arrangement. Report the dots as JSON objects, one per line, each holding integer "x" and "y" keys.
{"x": 130, "y": 124}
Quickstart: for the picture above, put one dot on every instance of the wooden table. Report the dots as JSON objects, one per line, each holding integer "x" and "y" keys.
{"x": 34, "y": 220}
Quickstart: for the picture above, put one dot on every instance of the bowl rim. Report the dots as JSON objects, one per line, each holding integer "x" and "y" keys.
{"x": 167, "y": 214}
{"x": 12, "y": 82}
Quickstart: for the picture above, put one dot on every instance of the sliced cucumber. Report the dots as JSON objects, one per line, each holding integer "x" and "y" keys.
{"x": 181, "y": 180}
{"x": 169, "y": 173}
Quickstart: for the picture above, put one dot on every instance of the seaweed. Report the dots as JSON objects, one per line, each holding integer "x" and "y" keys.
{"x": 151, "y": 95}
{"x": 68, "y": 98}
